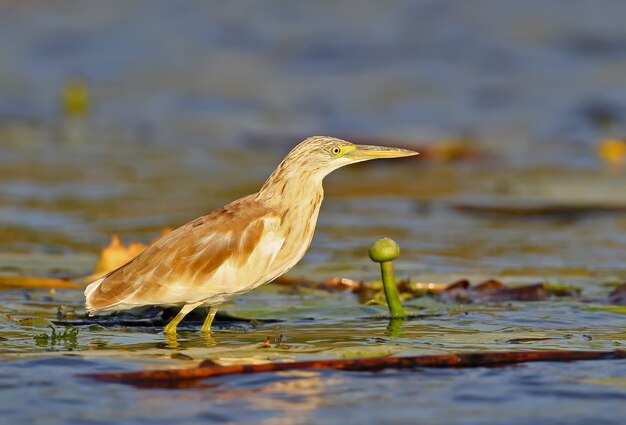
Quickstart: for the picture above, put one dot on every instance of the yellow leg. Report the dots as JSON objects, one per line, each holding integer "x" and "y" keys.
{"x": 170, "y": 329}
{"x": 206, "y": 326}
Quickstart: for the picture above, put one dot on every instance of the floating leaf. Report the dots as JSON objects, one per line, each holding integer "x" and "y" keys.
{"x": 185, "y": 378}
{"x": 68, "y": 337}
{"x": 116, "y": 255}
{"x": 561, "y": 290}
{"x": 618, "y": 295}
{"x": 609, "y": 309}
{"x": 612, "y": 151}
{"x": 23, "y": 282}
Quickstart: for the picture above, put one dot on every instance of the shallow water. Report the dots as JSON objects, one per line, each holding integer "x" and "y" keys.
{"x": 174, "y": 136}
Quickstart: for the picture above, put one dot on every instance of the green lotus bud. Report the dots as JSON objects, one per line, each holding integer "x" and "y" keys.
{"x": 384, "y": 250}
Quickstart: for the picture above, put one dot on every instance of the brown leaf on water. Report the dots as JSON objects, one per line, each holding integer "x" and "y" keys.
{"x": 493, "y": 291}
{"x": 365, "y": 291}
{"x": 343, "y": 284}
{"x": 459, "y": 285}
{"x": 618, "y": 295}
{"x": 457, "y": 292}
{"x": 297, "y": 283}
{"x": 191, "y": 377}
{"x": 460, "y": 291}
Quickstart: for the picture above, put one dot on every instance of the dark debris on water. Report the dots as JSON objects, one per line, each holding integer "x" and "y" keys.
{"x": 367, "y": 292}
{"x": 460, "y": 292}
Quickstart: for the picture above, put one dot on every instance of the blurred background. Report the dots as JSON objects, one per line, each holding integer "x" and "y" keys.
{"x": 209, "y": 73}
{"x": 130, "y": 116}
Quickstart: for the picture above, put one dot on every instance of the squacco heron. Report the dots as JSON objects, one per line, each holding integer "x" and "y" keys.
{"x": 236, "y": 248}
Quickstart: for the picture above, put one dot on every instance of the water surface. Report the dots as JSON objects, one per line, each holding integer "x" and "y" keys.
{"x": 173, "y": 136}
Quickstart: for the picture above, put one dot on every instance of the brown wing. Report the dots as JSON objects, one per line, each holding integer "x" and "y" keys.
{"x": 193, "y": 252}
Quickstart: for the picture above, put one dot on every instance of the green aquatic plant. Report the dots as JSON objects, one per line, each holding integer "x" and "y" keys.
{"x": 69, "y": 337}
{"x": 384, "y": 251}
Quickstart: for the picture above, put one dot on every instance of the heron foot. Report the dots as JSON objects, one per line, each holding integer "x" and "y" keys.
{"x": 170, "y": 329}
{"x": 206, "y": 326}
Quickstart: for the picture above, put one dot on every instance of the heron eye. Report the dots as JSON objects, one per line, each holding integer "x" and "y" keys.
{"x": 335, "y": 151}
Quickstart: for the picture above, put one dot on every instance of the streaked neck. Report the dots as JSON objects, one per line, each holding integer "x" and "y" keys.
{"x": 287, "y": 188}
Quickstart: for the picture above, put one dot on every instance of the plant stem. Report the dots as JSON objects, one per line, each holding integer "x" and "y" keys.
{"x": 391, "y": 290}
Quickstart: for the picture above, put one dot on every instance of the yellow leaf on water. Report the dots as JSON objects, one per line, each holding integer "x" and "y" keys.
{"x": 612, "y": 151}
{"x": 23, "y": 282}
{"x": 75, "y": 99}
{"x": 113, "y": 256}
{"x": 116, "y": 255}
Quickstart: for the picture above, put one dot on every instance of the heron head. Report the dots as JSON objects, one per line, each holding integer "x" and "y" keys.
{"x": 322, "y": 154}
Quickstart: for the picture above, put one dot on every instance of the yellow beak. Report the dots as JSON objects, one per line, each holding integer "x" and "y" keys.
{"x": 365, "y": 152}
